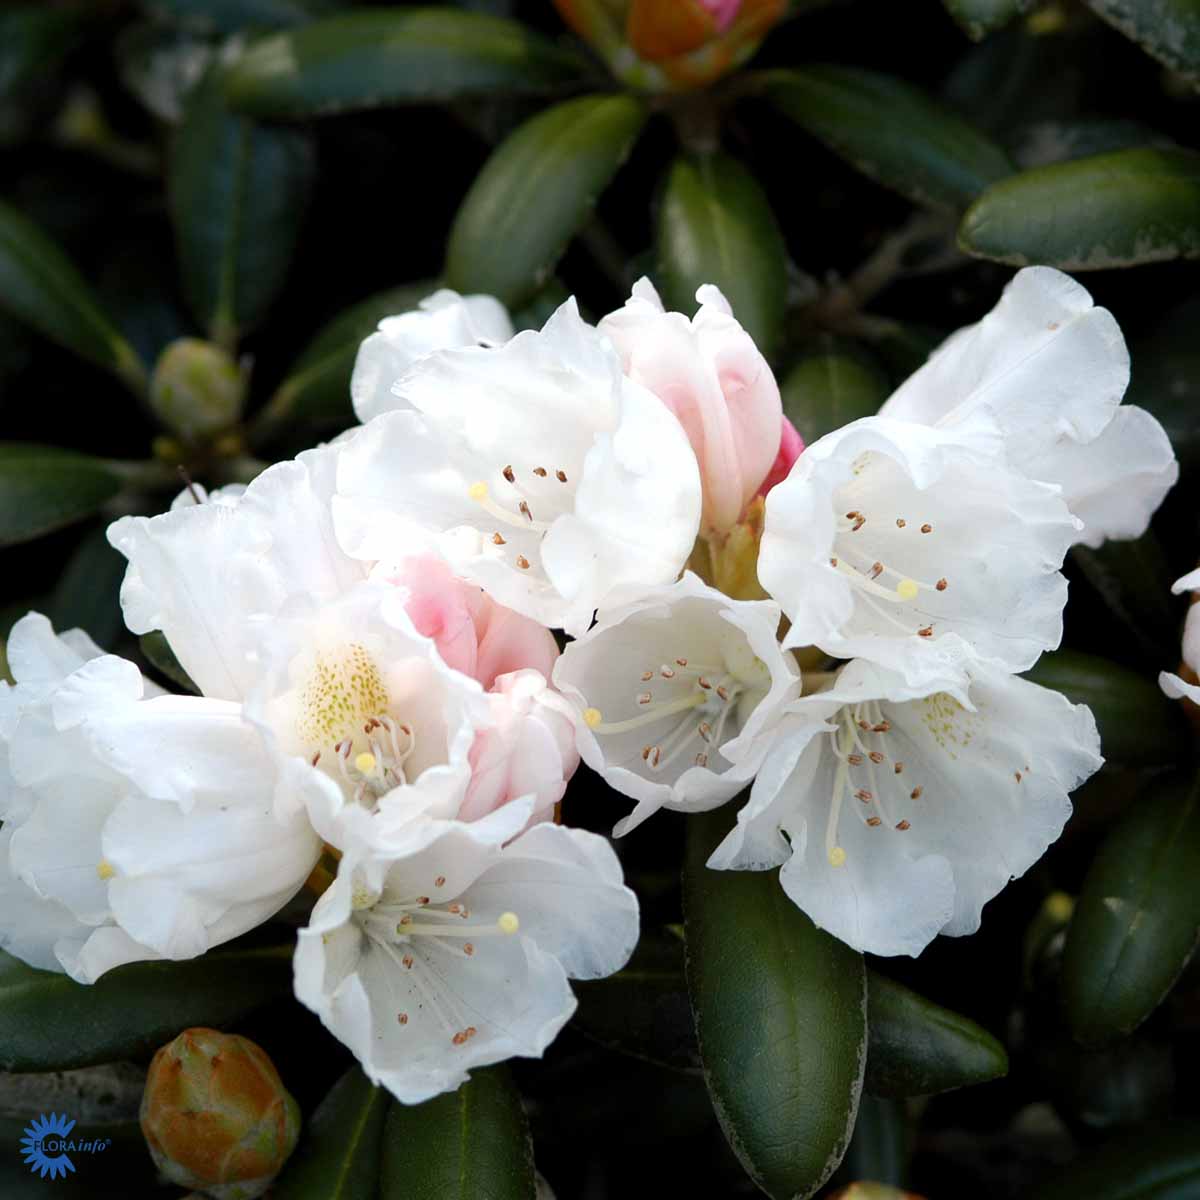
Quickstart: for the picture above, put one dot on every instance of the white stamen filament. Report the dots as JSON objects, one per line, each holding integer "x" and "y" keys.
{"x": 480, "y": 494}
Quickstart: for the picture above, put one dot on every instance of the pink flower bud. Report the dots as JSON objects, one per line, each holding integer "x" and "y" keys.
{"x": 724, "y": 12}
{"x": 791, "y": 446}
{"x": 216, "y": 1115}
{"x": 710, "y": 374}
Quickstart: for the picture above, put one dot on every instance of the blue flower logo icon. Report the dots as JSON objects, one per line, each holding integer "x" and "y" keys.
{"x": 42, "y": 1146}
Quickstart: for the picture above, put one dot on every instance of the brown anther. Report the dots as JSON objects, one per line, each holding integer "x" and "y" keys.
{"x": 645, "y": 697}
{"x": 927, "y": 528}
{"x": 902, "y": 825}
{"x": 646, "y": 752}
{"x": 863, "y": 795}
{"x": 655, "y": 756}
{"x": 915, "y": 794}
{"x": 853, "y": 514}
{"x": 875, "y": 757}
{"x": 702, "y": 760}
{"x": 468, "y": 949}
{"x": 455, "y": 909}
{"x": 855, "y": 760}
{"x": 540, "y": 472}
{"x": 422, "y": 900}
{"x": 681, "y": 662}
{"x": 898, "y": 768}
{"x": 440, "y": 881}
{"x": 402, "y": 1018}
{"x": 704, "y": 730}
{"x": 498, "y": 540}
{"x": 1018, "y": 776}
{"x": 833, "y": 562}
{"x": 647, "y": 676}
{"x": 927, "y": 632}
{"x": 667, "y": 673}
{"x": 406, "y": 919}
{"x": 704, "y": 683}
{"x": 407, "y": 960}
{"x": 561, "y": 476}
{"x": 858, "y": 524}
{"x": 508, "y": 474}
{"x": 404, "y": 729}
{"x": 522, "y": 562}
{"x": 941, "y": 585}
{"x": 900, "y": 522}
{"x": 523, "y": 509}
{"x": 316, "y": 758}
{"x": 723, "y": 692}
{"x": 460, "y": 1039}
{"x": 882, "y": 727}
{"x": 470, "y": 1031}
{"x": 876, "y": 570}
{"x": 873, "y": 821}
{"x": 865, "y": 726}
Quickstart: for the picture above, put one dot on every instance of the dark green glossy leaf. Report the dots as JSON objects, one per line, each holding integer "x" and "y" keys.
{"x": 535, "y": 192}
{"x": 918, "y": 1048}
{"x": 1167, "y": 29}
{"x": 831, "y": 387}
{"x": 87, "y": 595}
{"x": 1108, "y": 210}
{"x": 1137, "y": 919}
{"x": 981, "y": 17}
{"x": 892, "y": 132}
{"x": 395, "y": 56}
{"x": 1159, "y": 1163}
{"x": 1138, "y": 725}
{"x": 232, "y": 16}
{"x": 339, "y": 1154}
{"x": 316, "y": 393}
{"x": 781, "y": 1015}
{"x": 715, "y": 225}
{"x": 48, "y": 1022}
{"x": 1133, "y": 582}
{"x": 40, "y": 286}
{"x": 643, "y": 1009}
{"x": 472, "y": 1144}
{"x": 43, "y": 488}
{"x": 159, "y": 654}
{"x": 238, "y": 192}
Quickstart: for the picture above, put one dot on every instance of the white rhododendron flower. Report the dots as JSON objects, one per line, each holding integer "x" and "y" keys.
{"x": 370, "y": 728}
{"x": 1173, "y": 685}
{"x": 678, "y": 695}
{"x": 896, "y": 815}
{"x": 917, "y": 549}
{"x": 443, "y": 321}
{"x": 1050, "y": 368}
{"x": 710, "y": 374}
{"x": 457, "y": 953}
{"x": 536, "y": 470}
{"x": 137, "y": 825}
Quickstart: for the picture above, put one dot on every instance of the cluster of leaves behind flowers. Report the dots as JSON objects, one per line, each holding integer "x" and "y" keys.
{"x": 858, "y": 189}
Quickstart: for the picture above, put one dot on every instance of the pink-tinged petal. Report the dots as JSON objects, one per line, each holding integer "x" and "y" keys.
{"x": 509, "y": 642}
{"x": 723, "y": 12}
{"x": 791, "y": 446}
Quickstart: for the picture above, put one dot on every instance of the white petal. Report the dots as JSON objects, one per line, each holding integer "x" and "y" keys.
{"x": 1045, "y": 362}
{"x": 30, "y": 925}
{"x": 39, "y": 658}
{"x": 1178, "y": 689}
{"x": 1114, "y": 483}
{"x": 85, "y": 959}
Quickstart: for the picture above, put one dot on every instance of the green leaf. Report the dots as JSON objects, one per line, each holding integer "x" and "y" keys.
{"x": 40, "y": 286}
{"x": 643, "y": 1009}
{"x": 1167, "y": 29}
{"x": 715, "y": 225}
{"x": 1137, "y": 919}
{"x": 339, "y": 1155}
{"x": 159, "y": 654}
{"x": 892, "y": 132}
{"x": 87, "y": 595}
{"x": 43, "y": 488}
{"x": 831, "y": 387}
{"x": 232, "y": 16}
{"x": 238, "y": 192}
{"x": 1155, "y": 1163}
{"x": 48, "y": 1022}
{"x": 535, "y": 192}
{"x": 917, "y": 1048}
{"x": 395, "y": 56}
{"x": 468, "y": 1145}
{"x": 33, "y": 39}
{"x": 316, "y": 393}
{"x": 781, "y": 1016}
{"x": 1089, "y": 214}
{"x": 1139, "y": 726}
{"x": 978, "y": 18}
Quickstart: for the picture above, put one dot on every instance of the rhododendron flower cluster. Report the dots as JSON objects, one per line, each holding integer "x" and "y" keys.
{"x": 384, "y": 716}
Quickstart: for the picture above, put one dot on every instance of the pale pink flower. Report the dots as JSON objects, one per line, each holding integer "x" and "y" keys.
{"x": 791, "y": 446}
{"x": 710, "y": 374}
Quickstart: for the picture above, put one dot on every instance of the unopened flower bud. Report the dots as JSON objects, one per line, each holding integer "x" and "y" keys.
{"x": 197, "y": 389}
{"x": 216, "y": 1115}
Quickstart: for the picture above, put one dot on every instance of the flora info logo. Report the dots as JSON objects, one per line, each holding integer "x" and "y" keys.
{"x": 48, "y": 1145}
